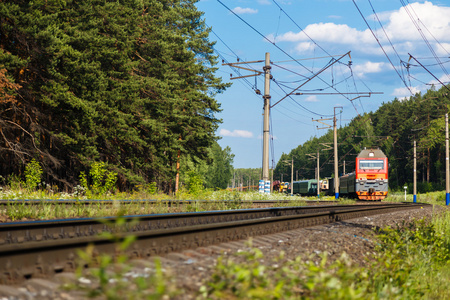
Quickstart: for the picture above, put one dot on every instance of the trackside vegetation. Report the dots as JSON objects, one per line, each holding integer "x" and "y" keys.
{"x": 410, "y": 261}
{"x": 393, "y": 127}
{"x": 127, "y": 83}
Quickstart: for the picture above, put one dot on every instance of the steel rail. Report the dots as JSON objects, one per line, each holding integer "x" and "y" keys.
{"x": 20, "y": 261}
{"x": 170, "y": 203}
{"x": 29, "y": 231}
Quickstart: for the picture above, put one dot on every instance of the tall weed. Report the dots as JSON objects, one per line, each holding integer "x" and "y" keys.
{"x": 33, "y": 174}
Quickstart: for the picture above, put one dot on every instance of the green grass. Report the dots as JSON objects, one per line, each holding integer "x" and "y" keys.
{"x": 213, "y": 201}
{"x": 411, "y": 262}
{"x": 431, "y": 197}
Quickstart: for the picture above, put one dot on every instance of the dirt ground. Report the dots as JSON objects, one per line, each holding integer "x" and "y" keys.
{"x": 190, "y": 269}
{"x": 355, "y": 237}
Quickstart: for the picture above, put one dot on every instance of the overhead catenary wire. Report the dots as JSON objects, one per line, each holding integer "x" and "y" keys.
{"x": 282, "y": 50}
{"x": 303, "y": 107}
{"x": 315, "y": 43}
{"x": 384, "y": 31}
{"x": 410, "y": 14}
{"x": 330, "y": 86}
{"x": 321, "y": 48}
{"x": 253, "y": 87}
{"x": 384, "y": 51}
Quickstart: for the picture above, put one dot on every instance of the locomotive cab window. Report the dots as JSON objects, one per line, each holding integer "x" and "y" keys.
{"x": 371, "y": 164}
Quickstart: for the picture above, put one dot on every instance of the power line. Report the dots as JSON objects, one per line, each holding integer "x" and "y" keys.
{"x": 308, "y": 110}
{"x": 304, "y": 32}
{"x": 387, "y": 36}
{"x": 428, "y": 71}
{"x": 406, "y": 7}
{"x": 253, "y": 87}
{"x": 301, "y": 28}
{"x": 310, "y": 58}
{"x": 379, "y": 43}
{"x": 279, "y": 48}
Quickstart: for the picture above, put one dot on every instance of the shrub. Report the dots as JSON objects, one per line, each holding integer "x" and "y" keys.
{"x": 103, "y": 181}
{"x": 33, "y": 174}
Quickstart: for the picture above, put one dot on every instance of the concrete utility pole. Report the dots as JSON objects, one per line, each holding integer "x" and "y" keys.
{"x": 292, "y": 176}
{"x": 336, "y": 167}
{"x": 271, "y": 180}
{"x": 266, "y": 117}
{"x": 318, "y": 175}
{"x": 415, "y": 175}
{"x": 447, "y": 181}
{"x": 266, "y": 97}
{"x": 292, "y": 173}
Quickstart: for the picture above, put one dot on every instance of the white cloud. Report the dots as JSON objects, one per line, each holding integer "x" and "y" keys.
{"x": 304, "y": 47}
{"x": 329, "y": 32}
{"x": 240, "y": 10}
{"x": 264, "y": 2}
{"x": 398, "y": 26}
{"x": 369, "y": 67}
{"x": 435, "y": 18}
{"x": 444, "y": 50}
{"x": 444, "y": 79}
{"x": 311, "y": 99}
{"x": 404, "y": 93}
{"x": 236, "y": 133}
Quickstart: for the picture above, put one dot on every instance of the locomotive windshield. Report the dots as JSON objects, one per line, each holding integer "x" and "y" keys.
{"x": 371, "y": 164}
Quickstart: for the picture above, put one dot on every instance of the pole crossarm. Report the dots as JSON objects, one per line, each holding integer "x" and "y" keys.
{"x": 320, "y": 121}
{"x": 235, "y": 65}
{"x": 311, "y": 156}
{"x": 266, "y": 97}
{"x": 410, "y": 56}
{"x": 311, "y": 78}
{"x": 327, "y": 145}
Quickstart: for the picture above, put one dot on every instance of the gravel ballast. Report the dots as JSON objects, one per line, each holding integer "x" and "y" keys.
{"x": 190, "y": 269}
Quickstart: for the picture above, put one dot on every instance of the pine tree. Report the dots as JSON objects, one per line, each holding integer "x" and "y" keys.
{"x": 130, "y": 83}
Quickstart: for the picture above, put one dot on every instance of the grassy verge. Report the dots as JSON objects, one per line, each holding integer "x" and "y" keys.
{"x": 411, "y": 262}
{"x": 233, "y": 200}
{"x": 431, "y": 197}
{"x": 45, "y": 210}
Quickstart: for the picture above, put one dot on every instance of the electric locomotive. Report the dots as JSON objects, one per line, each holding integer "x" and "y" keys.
{"x": 370, "y": 179}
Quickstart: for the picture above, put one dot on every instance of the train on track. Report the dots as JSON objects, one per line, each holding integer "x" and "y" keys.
{"x": 304, "y": 187}
{"x": 369, "y": 181}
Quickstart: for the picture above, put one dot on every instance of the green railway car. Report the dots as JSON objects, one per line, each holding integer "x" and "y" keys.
{"x": 304, "y": 187}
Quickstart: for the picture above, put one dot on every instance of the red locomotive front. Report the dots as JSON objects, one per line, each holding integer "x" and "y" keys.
{"x": 371, "y": 175}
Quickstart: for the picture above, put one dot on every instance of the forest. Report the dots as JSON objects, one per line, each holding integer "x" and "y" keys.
{"x": 128, "y": 83}
{"x": 132, "y": 84}
{"x": 393, "y": 128}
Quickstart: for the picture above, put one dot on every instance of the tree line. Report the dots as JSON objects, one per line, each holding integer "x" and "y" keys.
{"x": 128, "y": 83}
{"x": 392, "y": 128}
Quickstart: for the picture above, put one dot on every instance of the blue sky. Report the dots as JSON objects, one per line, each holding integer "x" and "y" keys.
{"x": 301, "y": 36}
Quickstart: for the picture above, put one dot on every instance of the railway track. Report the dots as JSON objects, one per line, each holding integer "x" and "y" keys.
{"x": 151, "y": 202}
{"x": 42, "y": 248}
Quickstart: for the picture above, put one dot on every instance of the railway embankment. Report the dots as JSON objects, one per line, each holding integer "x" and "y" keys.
{"x": 214, "y": 270}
